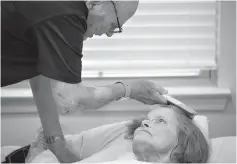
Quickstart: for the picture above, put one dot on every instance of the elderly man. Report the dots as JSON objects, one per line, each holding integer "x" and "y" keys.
{"x": 42, "y": 41}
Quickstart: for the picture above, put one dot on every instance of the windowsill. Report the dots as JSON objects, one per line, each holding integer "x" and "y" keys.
{"x": 201, "y": 98}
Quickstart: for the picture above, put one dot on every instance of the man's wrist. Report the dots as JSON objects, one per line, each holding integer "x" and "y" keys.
{"x": 126, "y": 89}
{"x": 120, "y": 90}
{"x": 53, "y": 139}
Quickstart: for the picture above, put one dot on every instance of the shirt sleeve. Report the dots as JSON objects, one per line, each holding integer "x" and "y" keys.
{"x": 59, "y": 43}
{"x": 92, "y": 141}
{"x": 84, "y": 144}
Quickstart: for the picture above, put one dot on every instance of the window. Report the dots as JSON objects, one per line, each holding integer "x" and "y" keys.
{"x": 162, "y": 39}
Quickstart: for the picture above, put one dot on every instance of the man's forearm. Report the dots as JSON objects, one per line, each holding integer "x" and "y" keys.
{"x": 107, "y": 94}
{"x": 84, "y": 97}
{"x": 46, "y": 105}
{"x": 96, "y": 97}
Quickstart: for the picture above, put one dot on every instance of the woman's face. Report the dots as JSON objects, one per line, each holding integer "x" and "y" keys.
{"x": 158, "y": 132}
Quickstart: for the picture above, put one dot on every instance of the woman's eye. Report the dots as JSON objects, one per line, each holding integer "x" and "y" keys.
{"x": 160, "y": 120}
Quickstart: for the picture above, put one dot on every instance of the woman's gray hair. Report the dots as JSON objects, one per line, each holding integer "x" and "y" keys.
{"x": 192, "y": 146}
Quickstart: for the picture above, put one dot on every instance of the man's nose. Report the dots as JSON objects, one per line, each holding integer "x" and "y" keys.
{"x": 145, "y": 123}
{"x": 109, "y": 34}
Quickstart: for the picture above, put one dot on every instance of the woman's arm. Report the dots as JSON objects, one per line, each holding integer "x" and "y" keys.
{"x": 83, "y": 144}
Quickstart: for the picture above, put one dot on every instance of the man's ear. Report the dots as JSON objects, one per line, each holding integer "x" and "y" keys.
{"x": 96, "y": 2}
{"x": 96, "y": 7}
{"x": 90, "y": 4}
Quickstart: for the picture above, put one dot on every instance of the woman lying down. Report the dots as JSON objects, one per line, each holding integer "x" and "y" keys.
{"x": 167, "y": 134}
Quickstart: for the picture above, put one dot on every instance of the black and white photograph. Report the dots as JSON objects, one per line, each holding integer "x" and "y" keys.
{"x": 118, "y": 82}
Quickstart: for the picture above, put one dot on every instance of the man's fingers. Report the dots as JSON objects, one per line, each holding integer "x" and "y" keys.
{"x": 160, "y": 99}
{"x": 164, "y": 91}
{"x": 160, "y": 89}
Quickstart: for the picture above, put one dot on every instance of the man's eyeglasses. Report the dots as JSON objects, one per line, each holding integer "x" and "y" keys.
{"x": 120, "y": 29}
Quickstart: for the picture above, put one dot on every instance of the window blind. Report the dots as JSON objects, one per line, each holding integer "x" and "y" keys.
{"x": 163, "y": 38}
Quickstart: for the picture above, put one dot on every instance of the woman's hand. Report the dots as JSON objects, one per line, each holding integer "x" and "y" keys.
{"x": 147, "y": 92}
{"x": 63, "y": 152}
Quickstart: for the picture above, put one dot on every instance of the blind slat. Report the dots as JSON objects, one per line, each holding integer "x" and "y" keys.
{"x": 175, "y": 6}
{"x": 172, "y": 19}
{"x": 164, "y": 55}
{"x": 155, "y": 55}
{"x": 153, "y": 42}
{"x": 159, "y": 30}
{"x": 177, "y": 13}
{"x": 150, "y": 48}
{"x": 145, "y": 64}
{"x": 141, "y": 72}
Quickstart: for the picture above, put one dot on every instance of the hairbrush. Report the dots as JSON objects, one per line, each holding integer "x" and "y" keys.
{"x": 171, "y": 100}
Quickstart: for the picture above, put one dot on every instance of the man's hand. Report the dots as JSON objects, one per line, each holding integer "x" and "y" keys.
{"x": 63, "y": 152}
{"x": 77, "y": 96}
{"x": 147, "y": 92}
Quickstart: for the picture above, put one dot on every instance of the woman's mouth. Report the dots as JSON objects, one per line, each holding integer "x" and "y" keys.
{"x": 146, "y": 131}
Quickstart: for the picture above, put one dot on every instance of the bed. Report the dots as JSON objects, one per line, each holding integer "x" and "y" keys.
{"x": 223, "y": 149}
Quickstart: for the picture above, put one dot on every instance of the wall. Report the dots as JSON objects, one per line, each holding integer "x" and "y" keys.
{"x": 227, "y": 54}
{"x": 226, "y": 121}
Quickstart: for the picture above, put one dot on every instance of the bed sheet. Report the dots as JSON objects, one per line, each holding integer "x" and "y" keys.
{"x": 223, "y": 151}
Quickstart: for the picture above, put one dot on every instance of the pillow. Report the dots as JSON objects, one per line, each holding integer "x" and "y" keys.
{"x": 223, "y": 150}
{"x": 202, "y": 123}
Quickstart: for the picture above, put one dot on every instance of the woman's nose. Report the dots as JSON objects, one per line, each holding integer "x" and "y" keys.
{"x": 145, "y": 123}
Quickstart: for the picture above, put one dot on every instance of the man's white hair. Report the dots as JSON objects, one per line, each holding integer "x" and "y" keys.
{"x": 128, "y": 7}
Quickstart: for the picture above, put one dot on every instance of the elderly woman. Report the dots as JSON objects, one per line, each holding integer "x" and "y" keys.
{"x": 167, "y": 134}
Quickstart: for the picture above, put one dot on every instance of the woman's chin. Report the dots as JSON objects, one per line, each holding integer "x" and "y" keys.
{"x": 141, "y": 139}
{"x": 143, "y": 150}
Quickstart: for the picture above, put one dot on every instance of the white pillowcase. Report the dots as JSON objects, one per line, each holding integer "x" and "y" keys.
{"x": 203, "y": 123}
